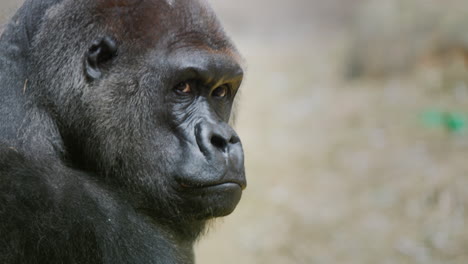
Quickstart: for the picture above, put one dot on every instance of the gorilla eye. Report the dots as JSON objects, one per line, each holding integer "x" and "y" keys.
{"x": 220, "y": 92}
{"x": 184, "y": 88}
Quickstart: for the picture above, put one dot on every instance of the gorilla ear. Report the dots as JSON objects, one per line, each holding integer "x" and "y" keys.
{"x": 101, "y": 51}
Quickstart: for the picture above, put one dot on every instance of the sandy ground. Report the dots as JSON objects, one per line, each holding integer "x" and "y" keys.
{"x": 339, "y": 171}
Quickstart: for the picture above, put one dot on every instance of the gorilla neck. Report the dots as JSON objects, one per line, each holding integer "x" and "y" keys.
{"x": 13, "y": 47}
{"x": 185, "y": 231}
{"x": 36, "y": 133}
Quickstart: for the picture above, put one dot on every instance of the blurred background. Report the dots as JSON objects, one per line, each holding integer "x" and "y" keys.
{"x": 354, "y": 119}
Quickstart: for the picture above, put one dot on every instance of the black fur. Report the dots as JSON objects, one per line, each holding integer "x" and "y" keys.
{"x": 114, "y": 138}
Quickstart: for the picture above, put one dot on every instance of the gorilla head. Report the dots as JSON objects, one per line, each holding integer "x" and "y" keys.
{"x": 141, "y": 92}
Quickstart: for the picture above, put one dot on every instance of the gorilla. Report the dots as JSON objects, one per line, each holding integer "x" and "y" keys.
{"x": 116, "y": 144}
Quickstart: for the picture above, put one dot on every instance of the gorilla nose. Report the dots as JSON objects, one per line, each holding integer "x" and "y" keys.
{"x": 214, "y": 139}
{"x": 222, "y": 142}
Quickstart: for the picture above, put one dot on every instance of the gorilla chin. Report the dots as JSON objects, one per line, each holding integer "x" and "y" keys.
{"x": 214, "y": 197}
{"x": 212, "y": 201}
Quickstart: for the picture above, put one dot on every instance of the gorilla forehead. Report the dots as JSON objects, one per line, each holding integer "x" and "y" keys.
{"x": 176, "y": 22}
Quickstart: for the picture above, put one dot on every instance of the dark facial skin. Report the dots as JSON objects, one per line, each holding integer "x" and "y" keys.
{"x": 119, "y": 134}
{"x": 210, "y": 163}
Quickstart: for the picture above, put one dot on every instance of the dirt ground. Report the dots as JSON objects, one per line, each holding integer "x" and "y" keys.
{"x": 347, "y": 170}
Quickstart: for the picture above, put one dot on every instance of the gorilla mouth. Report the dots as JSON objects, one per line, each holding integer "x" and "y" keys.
{"x": 214, "y": 199}
{"x": 201, "y": 185}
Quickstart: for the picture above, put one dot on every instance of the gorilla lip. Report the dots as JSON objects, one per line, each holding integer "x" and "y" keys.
{"x": 186, "y": 185}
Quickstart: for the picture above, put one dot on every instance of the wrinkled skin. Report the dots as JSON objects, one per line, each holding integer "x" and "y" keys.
{"x": 115, "y": 138}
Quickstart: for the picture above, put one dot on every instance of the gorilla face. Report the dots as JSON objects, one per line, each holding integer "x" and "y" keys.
{"x": 199, "y": 156}
{"x": 209, "y": 168}
{"x": 149, "y": 103}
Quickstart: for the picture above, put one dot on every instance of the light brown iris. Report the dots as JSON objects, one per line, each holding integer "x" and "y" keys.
{"x": 220, "y": 92}
{"x": 184, "y": 87}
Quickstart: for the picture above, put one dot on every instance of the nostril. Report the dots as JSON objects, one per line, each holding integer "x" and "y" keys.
{"x": 234, "y": 140}
{"x": 219, "y": 142}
